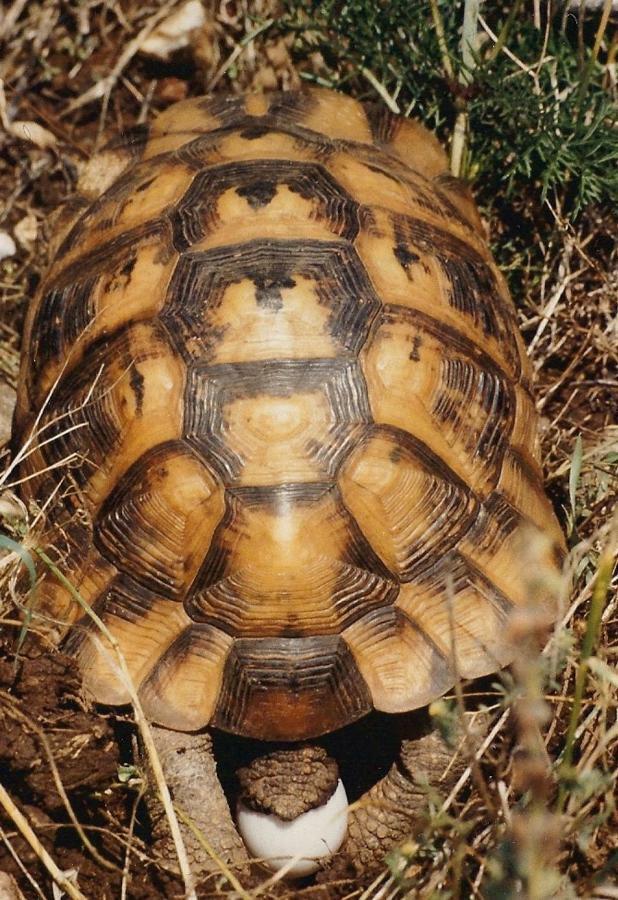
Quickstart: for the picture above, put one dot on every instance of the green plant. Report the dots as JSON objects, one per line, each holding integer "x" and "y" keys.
{"x": 540, "y": 117}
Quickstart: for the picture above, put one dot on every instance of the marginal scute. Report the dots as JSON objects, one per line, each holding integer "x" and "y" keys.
{"x": 182, "y": 688}
{"x": 403, "y": 668}
{"x": 461, "y": 611}
{"x": 142, "y": 625}
{"x": 274, "y": 381}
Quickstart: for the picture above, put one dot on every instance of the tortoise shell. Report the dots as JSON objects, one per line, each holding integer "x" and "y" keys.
{"x": 275, "y": 384}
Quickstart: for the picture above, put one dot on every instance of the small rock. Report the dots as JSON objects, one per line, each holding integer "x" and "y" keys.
{"x": 175, "y": 32}
{"x": 7, "y": 245}
{"x": 26, "y": 231}
{"x": 34, "y": 134}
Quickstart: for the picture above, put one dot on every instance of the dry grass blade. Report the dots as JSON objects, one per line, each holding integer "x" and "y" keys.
{"x": 142, "y": 724}
{"x": 28, "y": 834}
{"x": 103, "y": 88}
{"x": 380, "y": 90}
{"x": 20, "y": 865}
{"x": 600, "y": 593}
{"x": 236, "y": 52}
{"x": 10, "y": 17}
{"x": 207, "y": 846}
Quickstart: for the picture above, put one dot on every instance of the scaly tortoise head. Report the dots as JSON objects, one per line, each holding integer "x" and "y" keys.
{"x": 289, "y": 381}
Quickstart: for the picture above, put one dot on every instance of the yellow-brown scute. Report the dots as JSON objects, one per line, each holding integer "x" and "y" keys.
{"x": 280, "y": 384}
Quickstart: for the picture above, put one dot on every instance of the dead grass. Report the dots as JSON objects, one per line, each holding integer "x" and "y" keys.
{"x": 543, "y": 821}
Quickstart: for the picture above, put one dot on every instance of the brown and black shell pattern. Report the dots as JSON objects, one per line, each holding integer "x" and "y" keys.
{"x": 280, "y": 398}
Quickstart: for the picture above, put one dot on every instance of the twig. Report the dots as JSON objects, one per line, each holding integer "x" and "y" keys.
{"x": 129, "y": 847}
{"x": 477, "y": 756}
{"x": 383, "y": 876}
{"x": 529, "y": 70}
{"x": 468, "y": 59}
{"x": 504, "y": 31}
{"x": 10, "y": 17}
{"x": 552, "y": 303}
{"x": 210, "y": 850}
{"x": 468, "y": 743}
{"x": 380, "y": 89}
{"x": 439, "y": 25}
{"x": 103, "y": 88}
{"x": 18, "y": 862}
{"x": 238, "y": 49}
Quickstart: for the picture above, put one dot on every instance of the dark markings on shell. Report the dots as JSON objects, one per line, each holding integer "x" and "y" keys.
{"x": 61, "y": 317}
{"x": 417, "y": 343}
{"x": 422, "y": 454}
{"x": 383, "y": 124}
{"x": 124, "y": 599}
{"x": 448, "y": 505}
{"x": 126, "y": 535}
{"x": 258, "y": 193}
{"x": 197, "y": 153}
{"x": 268, "y": 292}
{"x": 473, "y": 287}
{"x": 137, "y": 383}
{"x": 406, "y": 257}
{"x": 84, "y": 403}
{"x": 276, "y": 499}
{"x": 453, "y": 574}
{"x": 195, "y": 215}
{"x": 228, "y": 606}
{"x": 453, "y": 340}
{"x": 200, "y": 280}
{"x": 227, "y": 108}
{"x": 62, "y": 421}
{"x": 529, "y": 470}
{"x": 98, "y": 260}
{"x": 464, "y": 386}
{"x": 290, "y": 107}
{"x": 497, "y": 521}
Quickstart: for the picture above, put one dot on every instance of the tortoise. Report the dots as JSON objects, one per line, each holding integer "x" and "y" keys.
{"x": 276, "y": 386}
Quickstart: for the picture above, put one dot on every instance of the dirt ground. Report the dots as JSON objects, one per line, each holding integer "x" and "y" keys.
{"x": 73, "y": 73}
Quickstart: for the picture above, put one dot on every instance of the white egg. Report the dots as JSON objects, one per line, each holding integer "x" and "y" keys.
{"x": 306, "y": 840}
